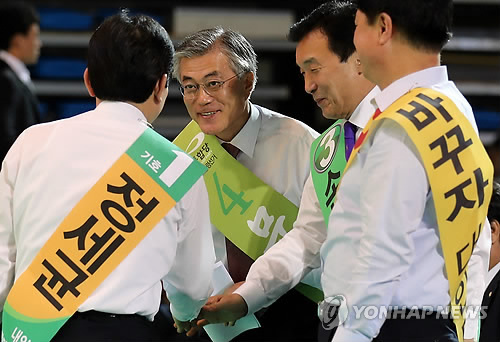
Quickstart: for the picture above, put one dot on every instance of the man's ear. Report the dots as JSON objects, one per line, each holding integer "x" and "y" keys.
{"x": 357, "y": 62}
{"x": 160, "y": 91}
{"x": 495, "y": 231}
{"x": 248, "y": 82}
{"x": 385, "y": 28}
{"x": 86, "y": 80}
{"x": 16, "y": 42}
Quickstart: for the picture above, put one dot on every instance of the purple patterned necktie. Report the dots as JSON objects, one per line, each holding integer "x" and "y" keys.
{"x": 238, "y": 263}
{"x": 350, "y": 138}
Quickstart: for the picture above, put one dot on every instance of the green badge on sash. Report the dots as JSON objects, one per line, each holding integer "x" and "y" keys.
{"x": 328, "y": 161}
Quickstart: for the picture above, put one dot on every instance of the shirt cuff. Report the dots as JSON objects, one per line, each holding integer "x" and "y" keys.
{"x": 253, "y": 295}
{"x": 342, "y": 335}
{"x": 471, "y": 328}
{"x": 186, "y": 313}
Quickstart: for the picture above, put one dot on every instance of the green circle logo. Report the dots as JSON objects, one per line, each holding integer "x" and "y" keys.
{"x": 327, "y": 148}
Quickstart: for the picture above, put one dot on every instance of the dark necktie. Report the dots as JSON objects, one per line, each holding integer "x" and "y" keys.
{"x": 350, "y": 138}
{"x": 231, "y": 149}
{"x": 238, "y": 263}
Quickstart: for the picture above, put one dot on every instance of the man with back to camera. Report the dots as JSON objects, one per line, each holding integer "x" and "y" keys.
{"x": 101, "y": 192}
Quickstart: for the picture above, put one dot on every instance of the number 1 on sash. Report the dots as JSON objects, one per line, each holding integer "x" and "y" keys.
{"x": 176, "y": 168}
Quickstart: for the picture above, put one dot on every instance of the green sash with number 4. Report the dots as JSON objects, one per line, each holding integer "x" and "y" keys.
{"x": 328, "y": 161}
{"x": 250, "y": 213}
{"x": 110, "y": 220}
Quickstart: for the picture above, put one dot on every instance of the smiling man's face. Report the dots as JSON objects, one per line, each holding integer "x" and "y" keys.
{"x": 330, "y": 81}
{"x": 222, "y": 113}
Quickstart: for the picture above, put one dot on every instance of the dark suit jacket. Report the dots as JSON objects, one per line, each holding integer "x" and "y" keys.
{"x": 490, "y": 325}
{"x": 18, "y": 108}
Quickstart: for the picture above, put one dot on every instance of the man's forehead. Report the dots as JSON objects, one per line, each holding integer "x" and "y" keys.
{"x": 187, "y": 75}
{"x": 309, "y": 61}
{"x": 210, "y": 64}
{"x": 307, "y": 57}
{"x": 311, "y": 47}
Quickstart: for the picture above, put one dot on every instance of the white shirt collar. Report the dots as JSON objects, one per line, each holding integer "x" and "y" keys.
{"x": 423, "y": 78}
{"x": 16, "y": 65}
{"x": 122, "y": 111}
{"x": 492, "y": 273}
{"x": 365, "y": 109}
{"x": 246, "y": 139}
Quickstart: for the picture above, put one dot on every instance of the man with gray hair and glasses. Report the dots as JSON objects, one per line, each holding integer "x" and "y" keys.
{"x": 216, "y": 69}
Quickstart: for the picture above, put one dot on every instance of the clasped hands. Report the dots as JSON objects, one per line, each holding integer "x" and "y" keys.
{"x": 226, "y": 308}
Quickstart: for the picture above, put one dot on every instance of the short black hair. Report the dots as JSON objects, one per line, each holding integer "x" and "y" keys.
{"x": 238, "y": 50}
{"x": 335, "y": 19}
{"x": 424, "y": 23}
{"x": 15, "y": 17}
{"x": 494, "y": 208}
{"x": 127, "y": 55}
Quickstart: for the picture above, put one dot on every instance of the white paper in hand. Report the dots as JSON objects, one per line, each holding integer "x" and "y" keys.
{"x": 221, "y": 280}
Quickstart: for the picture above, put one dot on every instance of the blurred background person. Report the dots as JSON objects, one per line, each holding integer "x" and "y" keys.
{"x": 19, "y": 46}
{"x": 490, "y": 330}
{"x": 493, "y": 150}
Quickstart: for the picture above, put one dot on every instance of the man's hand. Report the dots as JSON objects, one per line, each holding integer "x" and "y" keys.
{"x": 223, "y": 309}
{"x": 183, "y": 326}
{"x": 233, "y": 288}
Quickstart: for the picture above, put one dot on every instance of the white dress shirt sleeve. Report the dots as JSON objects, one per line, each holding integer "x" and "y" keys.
{"x": 286, "y": 263}
{"x": 7, "y": 240}
{"x": 393, "y": 192}
{"x": 189, "y": 282}
{"x": 476, "y": 281}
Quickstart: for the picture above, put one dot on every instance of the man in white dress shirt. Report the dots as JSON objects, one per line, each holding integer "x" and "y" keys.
{"x": 217, "y": 70}
{"x": 332, "y": 74}
{"x": 383, "y": 250}
{"x": 52, "y": 166}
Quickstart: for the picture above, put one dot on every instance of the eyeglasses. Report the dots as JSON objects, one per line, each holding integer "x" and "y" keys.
{"x": 190, "y": 90}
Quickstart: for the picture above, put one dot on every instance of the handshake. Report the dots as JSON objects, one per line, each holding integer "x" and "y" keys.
{"x": 226, "y": 308}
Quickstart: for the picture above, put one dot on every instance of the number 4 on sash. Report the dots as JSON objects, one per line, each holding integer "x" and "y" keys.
{"x": 237, "y": 198}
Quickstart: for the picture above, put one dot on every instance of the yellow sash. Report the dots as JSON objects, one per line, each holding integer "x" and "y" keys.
{"x": 460, "y": 174}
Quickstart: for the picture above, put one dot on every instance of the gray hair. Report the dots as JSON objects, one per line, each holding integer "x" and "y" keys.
{"x": 241, "y": 55}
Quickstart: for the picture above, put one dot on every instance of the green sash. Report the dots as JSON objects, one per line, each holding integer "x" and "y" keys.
{"x": 125, "y": 204}
{"x": 250, "y": 213}
{"x": 328, "y": 161}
